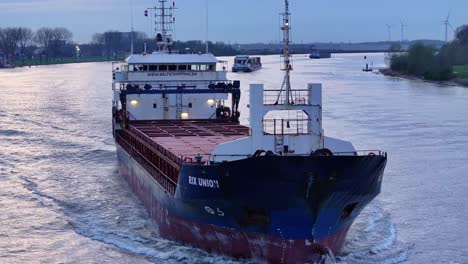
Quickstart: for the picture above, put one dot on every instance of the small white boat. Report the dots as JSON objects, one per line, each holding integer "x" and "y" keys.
{"x": 246, "y": 64}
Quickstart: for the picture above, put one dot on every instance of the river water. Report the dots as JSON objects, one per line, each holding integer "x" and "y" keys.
{"x": 63, "y": 201}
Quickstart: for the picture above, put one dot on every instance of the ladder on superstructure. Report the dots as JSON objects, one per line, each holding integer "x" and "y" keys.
{"x": 166, "y": 106}
{"x": 178, "y": 105}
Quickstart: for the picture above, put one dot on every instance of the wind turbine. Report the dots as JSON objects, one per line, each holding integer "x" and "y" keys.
{"x": 402, "y": 31}
{"x": 389, "y": 28}
{"x": 446, "y": 22}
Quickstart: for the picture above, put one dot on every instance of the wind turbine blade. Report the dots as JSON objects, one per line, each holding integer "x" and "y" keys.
{"x": 451, "y": 26}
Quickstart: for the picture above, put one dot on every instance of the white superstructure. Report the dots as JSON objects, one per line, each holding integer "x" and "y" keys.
{"x": 286, "y": 121}
{"x": 166, "y": 85}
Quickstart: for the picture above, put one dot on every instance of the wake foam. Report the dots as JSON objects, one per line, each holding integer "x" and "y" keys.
{"x": 373, "y": 239}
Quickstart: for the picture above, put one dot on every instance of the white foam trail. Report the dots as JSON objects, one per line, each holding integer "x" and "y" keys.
{"x": 387, "y": 242}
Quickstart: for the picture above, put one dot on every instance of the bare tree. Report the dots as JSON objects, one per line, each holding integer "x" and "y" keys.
{"x": 53, "y": 40}
{"x": 60, "y": 38}
{"x": 43, "y": 39}
{"x": 26, "y": 36}
{"x": 9, "y": 41}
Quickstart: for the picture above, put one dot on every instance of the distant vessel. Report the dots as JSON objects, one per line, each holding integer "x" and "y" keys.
{"x": 316, "y": 54}
{"x": 246, "y": 64}
{"x": 277, "y": 191}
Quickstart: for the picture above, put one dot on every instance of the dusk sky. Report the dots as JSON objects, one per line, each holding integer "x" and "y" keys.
{"x": 247, "y": 21}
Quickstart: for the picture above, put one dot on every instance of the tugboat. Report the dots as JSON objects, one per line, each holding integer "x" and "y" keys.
{"x": 246, "y": 64}
{"x": 276, "y": 191}
{"x": 316, "y": 54}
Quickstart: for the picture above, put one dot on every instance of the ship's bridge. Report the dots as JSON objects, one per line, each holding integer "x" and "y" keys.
{"x": 167, "y": 67}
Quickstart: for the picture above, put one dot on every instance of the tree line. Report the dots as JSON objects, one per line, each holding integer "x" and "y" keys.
{"x": 50, "y": 44}
{"x": 22, "y": 43}
{"x": 431, "y": 63}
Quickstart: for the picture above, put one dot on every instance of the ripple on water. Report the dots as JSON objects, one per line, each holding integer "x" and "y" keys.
{"x": 12, "y": 132}
{"x": 373, "y": 239}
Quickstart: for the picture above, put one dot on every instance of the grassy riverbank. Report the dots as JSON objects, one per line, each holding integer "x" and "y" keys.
{"x": 461, "y": 70}
{"x": 459, "y": 80}
{"x": 447, "y": 64}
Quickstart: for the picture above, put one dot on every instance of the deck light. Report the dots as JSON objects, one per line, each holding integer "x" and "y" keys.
{"x": 211, "y": 102}
{"x": 134, "y": 102}
{"x": 184, "y": 115}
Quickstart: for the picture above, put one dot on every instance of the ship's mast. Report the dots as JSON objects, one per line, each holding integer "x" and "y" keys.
{"x": 286, "y": 28}
{"x": 164, "y": 25}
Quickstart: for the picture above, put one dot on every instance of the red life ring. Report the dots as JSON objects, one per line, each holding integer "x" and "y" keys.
{"x": 371, "y": 154}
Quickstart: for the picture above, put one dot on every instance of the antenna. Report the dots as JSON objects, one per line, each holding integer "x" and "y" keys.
{"x": 286, "y": 28}
{"x": 389, "y": 28}
{"x": 131, "y": 24}
{"x": 206, "y": 36}
{"x": 446, "y": 22}
{"x": 403, "y": 30}
{"x": 164, "y": 25}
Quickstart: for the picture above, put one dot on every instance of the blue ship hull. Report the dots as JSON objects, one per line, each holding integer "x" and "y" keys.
{"x": 279, "y": 209}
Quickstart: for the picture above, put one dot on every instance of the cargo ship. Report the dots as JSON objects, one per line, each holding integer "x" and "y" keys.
{"x": 246, "y": 63}
{"x": 276, "y": 190}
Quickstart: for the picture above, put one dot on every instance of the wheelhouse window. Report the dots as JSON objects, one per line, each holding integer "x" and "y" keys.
{"x": 136, "y": 67}
{"x": 172, "y": 67}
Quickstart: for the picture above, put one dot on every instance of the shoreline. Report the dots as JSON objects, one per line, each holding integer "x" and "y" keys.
{"x": 455, "y": 82}
{"x": 61, "y": 61}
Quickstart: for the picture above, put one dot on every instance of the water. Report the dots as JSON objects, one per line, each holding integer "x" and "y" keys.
{"x": 62, "y": 200}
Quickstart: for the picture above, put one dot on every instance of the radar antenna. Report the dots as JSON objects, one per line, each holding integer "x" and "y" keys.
{"x": 164, "y": 25}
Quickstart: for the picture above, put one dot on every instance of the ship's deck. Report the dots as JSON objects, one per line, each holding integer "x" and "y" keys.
{"x": 188, "y": 138}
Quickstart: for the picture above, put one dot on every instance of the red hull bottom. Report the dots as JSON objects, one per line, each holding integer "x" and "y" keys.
{"x": 232, "y": 242}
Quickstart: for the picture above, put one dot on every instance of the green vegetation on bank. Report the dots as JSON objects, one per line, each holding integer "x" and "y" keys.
{"x": 65, "y": 60}
{"x": 461, "y": 70}
{"x": 433, "y": 64}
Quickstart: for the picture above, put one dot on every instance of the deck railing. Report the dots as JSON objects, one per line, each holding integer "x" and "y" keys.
{"x": 276, "y": 126}
{"x": 229, "y": 157}
{"x": 148, "y": 161}
{"x": 298, "y": 97}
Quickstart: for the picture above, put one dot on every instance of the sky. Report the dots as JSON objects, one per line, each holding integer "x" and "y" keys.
{"x": 247, "y": 21}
